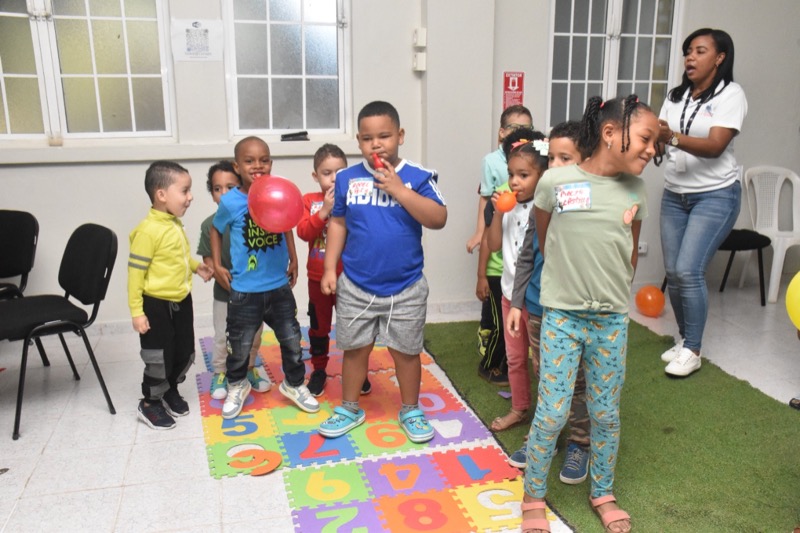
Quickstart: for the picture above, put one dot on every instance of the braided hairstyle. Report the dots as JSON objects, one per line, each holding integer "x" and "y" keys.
{"x": 617, "y": 110}
{"x": 526, "y": 134}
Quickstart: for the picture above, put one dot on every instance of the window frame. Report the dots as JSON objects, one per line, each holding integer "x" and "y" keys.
{"x": 611, "y": 53}
{"x": 51, "y": 89}
{"x": 344, "y": 57}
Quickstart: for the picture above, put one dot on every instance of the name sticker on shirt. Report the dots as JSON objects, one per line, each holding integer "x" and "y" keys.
{"x": 315, "y": 207}
{"x": 360, "y": 187}
{"x": 573, "y": 196}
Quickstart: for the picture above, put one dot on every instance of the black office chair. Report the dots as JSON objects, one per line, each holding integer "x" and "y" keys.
{"x": 84, "y": 275}
{"x": 740, "y": 240}
{"x": 19, "y": 232}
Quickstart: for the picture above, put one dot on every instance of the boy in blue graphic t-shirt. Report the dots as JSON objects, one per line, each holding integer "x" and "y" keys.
{"x": 380, "y": 208}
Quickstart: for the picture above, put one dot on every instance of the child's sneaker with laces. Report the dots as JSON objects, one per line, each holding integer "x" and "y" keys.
{"x": 684, "y": 364}
{"x": 341, "y": 421}
{"x": 174, "y": 403}
{"x": 576, "y": 465}
{"x": 259, "y": 380}
{"x": 155, "y": 416}
{"x": 316, "y": 383}
{"x": 416, "y": 426}
{"x": 519, "y": 459}
{"x": 237, "y": 395}
{"x": 300, "y": 396}
{"x": 219, "y": 386}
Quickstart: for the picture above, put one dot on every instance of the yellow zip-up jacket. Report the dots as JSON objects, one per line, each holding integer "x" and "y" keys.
{"x": 160, "y": 263}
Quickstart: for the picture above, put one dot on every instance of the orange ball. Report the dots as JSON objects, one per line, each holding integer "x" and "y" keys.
{"x": 506, "y": 201}
{"x": 650, "y": 301}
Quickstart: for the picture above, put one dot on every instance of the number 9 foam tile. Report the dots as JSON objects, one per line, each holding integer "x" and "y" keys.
{"x": 341, "y": 483}
{"x": 256, "y": 456}
{"x": 290, "y": 419}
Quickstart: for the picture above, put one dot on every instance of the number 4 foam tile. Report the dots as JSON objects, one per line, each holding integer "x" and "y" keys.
{"x": 469, "y": 466}
{"x": 257, "y": 456}
{"x": 352, "y": 516}
{"x": 402, "y": 474}
{"x": 431, "y": 512}
{"x": 325, "y": 485}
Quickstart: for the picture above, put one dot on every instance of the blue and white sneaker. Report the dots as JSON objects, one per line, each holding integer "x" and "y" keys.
{"x": 416, "y": 426}
{"x": 576, "y": 465}
{"x": 219, "y": 386}
{"x": 341, "y": 421}
{"x": 519, "y": 459}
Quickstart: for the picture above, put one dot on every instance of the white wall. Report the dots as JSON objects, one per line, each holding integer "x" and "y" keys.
{"x": 450, "y": 114}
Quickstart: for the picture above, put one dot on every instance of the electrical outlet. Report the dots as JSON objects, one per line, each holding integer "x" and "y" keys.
{"x": 642, "y": 248}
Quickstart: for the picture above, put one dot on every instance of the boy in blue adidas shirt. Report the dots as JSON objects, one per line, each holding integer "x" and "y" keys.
{"x": 376, "y": 228}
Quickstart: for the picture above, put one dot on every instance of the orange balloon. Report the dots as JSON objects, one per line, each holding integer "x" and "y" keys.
{"x": 506, "y": 201}
{"x": 650, "y": 301}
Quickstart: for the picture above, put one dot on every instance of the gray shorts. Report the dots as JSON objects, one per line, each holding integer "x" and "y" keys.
{"x": 396, "y": 321}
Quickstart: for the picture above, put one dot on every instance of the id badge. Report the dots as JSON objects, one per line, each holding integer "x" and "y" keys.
{"x": 680, "y": 161}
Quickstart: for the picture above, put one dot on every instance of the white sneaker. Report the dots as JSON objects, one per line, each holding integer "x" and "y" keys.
{"x": 301, "y": 397}
{"x": 673, "y": 352}
{"x": 237, "y": 394}
{"x": 684, "y": 364}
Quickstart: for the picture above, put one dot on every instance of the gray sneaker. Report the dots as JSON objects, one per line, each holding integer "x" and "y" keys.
{"x": 237, "y": 394}
{"x": 301, "y": 397}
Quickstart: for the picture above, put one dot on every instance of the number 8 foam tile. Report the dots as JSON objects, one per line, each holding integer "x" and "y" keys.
{"x": 431, "y": 512}
{"x": 310, "y": 448}
{"x": 340, "y": 483}
{"x": 353, "y": 516}
{"x": 256, "y": 456}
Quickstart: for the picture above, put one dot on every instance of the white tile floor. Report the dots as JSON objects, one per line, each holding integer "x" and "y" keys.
{"x": 78, "y": 468}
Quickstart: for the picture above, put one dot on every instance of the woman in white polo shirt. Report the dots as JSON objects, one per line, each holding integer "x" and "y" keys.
{"x": 702, "y": 195}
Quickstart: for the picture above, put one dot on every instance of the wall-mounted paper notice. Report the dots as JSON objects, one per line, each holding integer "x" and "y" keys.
{"x": 197, "y": 40}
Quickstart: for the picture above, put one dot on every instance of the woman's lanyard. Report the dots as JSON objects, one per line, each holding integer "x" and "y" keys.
{"x": 685, "y": 131}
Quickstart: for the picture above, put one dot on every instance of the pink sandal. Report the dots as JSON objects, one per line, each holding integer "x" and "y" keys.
{"x": 609, "y": 517}
{"x": 542, "y": 524}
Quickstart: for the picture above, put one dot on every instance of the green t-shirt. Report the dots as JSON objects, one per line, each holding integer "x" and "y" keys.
{"x": 589, "y": 240}
{"x": 495, "y": 175}
{"x": 204, "y": 250}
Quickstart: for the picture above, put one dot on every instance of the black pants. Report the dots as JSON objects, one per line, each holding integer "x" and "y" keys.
{"x": 492, "y": 320}
{"x": 168, "y": 347}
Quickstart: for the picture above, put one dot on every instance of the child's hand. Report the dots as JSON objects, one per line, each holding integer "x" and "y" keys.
{"x": 386, "y": 179}
{"x": 141, "y": 325}
{"x": 223, "y": 277}
{"x": 328, "y": 283}
{"x": 512, "y": 321}
{"x": 327, "y": 204}
{"x": 482, "y": 289}
{"x": 292, "y": 272}
{"x": 205, "y": 272}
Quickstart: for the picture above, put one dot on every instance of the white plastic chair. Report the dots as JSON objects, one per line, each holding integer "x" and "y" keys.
{"x": 766, "y": 183}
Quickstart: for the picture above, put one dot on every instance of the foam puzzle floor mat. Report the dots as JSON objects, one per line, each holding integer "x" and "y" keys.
{"x": 372, "y": 478}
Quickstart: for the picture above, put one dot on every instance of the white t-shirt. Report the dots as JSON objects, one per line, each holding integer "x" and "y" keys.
{"x": 686, "y": 173}
{"x": 515, "y": 222}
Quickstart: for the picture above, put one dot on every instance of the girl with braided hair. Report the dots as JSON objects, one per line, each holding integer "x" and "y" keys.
{"x": 588, "y": 218}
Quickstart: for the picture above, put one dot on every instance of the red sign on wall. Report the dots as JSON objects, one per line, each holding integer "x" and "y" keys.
{"x": 513, "y": 88}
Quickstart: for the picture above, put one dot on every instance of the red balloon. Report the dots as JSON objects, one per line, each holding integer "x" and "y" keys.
{"x": 650, "y": 301}
{"x": 275, "y": 203}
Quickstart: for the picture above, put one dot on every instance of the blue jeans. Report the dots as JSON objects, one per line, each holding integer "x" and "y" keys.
{"x": 246, "y": 312}
{"x": 692, "y": 228}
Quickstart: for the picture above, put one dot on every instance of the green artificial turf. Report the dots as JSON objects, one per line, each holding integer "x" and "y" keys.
{"x": 707, "y": 453}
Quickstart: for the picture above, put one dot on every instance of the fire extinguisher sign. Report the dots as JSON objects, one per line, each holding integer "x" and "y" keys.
{"x": 513, "y": 88}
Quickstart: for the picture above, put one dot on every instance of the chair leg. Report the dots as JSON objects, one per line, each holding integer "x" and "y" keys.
{"x": 20, "y": 389}
{"x": 727, "y": 271}
{"x": 761, "y": 275}
{"x": 777, "y": 268}
{"x": 97, "y": 371}
{"x": 69, "y": 358}
{"x": 42, "y": 354}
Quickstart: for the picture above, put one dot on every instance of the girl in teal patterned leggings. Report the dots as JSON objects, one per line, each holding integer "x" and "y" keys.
{"x": 588, "y": 219}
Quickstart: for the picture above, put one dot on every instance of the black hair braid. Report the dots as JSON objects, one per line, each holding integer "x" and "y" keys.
{"x": 590, "y": 125}
{"x": 630, "y": 104}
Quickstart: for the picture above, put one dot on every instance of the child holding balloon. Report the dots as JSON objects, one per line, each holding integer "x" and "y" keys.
{"x": 380, "y": 208}
{"x": 526, "y": 152}
{"x": 221, "y": 179}
{"x": 317, "y": 206}
{"x": 264, "y": 270}
{"x": 562, "y": 151}
{"x": 588, "y": 219}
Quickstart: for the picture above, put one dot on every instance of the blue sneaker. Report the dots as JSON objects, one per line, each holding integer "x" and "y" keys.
{"x": 341, "y": 421}
{"x": 519, "y": 458}
{"x": 416, "y": 426}
{"x": 219, "y": 386}
{"x": 576, "y": 465}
